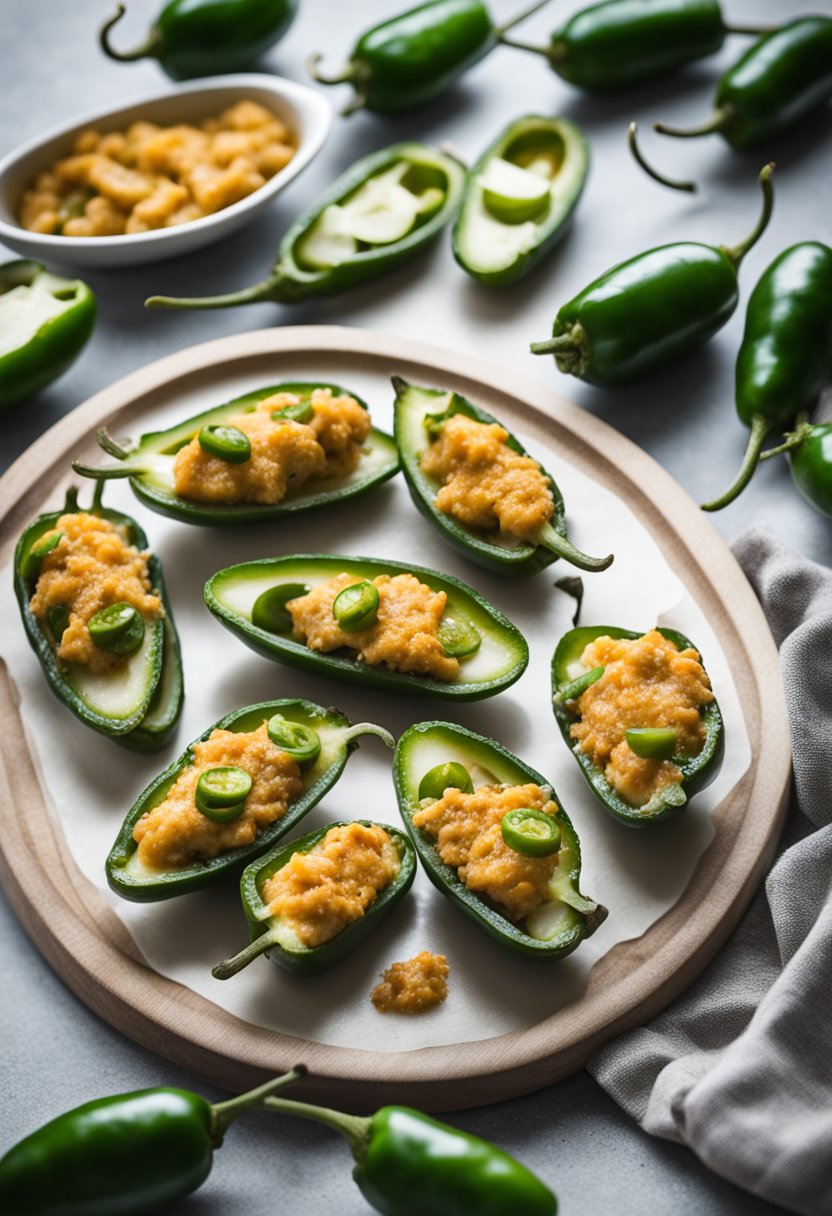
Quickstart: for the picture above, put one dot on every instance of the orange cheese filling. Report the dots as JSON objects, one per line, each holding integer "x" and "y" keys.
{"x": 91, "y": 568}
{"x": 175, "y": 833}
{"x": 414, "y": 986}
{"x": 284, "y": 454}
{"x": 405, "y": 636}
{"x": 487, "y": 485}
{"x": 466, "y": 828}
{"x": 646, "y": 682}
{"x": 319, "y": 893}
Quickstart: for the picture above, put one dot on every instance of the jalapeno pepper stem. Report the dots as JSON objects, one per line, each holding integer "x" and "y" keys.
{"x": 97, "y": 494}
{"x": 345, "y": 77}
{"x": 499, "y": 30}
{"x": 354, "y": 1128}
{"x": 549, "y": 538}
{"x": 553, "y": 345}
{"x": 793, "y": 440}
{"x": 230, "y": 966}
{"x": 266, "y": 289}
{"x": 106, "y": 441}
{"x": 737, "y": 252}
{"x": 369, "y": 728}
{"x": 71, "y": 501}
{"x": 106, "y": 472}
{"x": 223, "y": 1114}
{"x": 760, "y": 428}
{"x": 717, "y": 122}
{"x": 531, "y": 47}
{"x": 754, "y": 31}
{"x": 146, "y": 49}
{"x": 673, "y": 183}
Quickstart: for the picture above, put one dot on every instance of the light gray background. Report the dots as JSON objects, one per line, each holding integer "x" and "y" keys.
{"x": 55, "y": 1052}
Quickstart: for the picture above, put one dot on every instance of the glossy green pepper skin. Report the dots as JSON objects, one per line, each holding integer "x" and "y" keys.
{"x": 149, "y": 464}
{"x": 51, "y": 319}
{"x": 265, "y": 931}
{"x": 128, "y": 878}
{"x": 570, "y": 917}
{"x": 811, "y": 465}
{"x": 786, "y": 353}
{"x": 479, "y": 238}
{"x": 645, "y": 312}
{"x": 231, "y": 593}
{"x": 781, "y": 79}
{"x": 415, "y": 407}
{"x": 697, "y": 771}
{"x": 291, "y": 280}
{"x": 145, "y": 722}
{"x": 207, "y": 37}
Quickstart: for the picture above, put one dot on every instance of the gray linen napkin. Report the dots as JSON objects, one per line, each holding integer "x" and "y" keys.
{"x": 740, "y": 1067}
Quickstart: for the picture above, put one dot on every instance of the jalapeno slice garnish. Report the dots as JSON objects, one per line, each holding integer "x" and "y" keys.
{"x": 221, "y": 792}
{"x": 531, "y": 832}
{"x": 227, "y": 443}
{"x": 575, "y": 688}
{"x": 32, "y": 562}
{"x": 302, "y": 412}
{"x": 301, "y": 742}
{"x": 269, "y": 610}
{"x": 57, "y": 618}
{"x": 458, "y": 637}
{"x": 652, "y": 742}
{"x": 356, "y": 607}
{"x": 450, "y": 776}
{"x": 118, "y": 629}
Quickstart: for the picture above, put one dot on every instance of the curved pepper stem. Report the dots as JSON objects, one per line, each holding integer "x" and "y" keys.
{"x": 557, "y": 344}
{"x": 737, "y": 252}
{"x": 266, "y": 289}
{"x": 231, "y": 966}
{"x": 223, "y": 1114}
{"x": 346, "y": 77}
{"x": 370, "y": 728}
{"x": 526, "y": 13}
{"x": 146, "y": 50}
{"x": 672, "y": 183}
{"x": 552, "y": 540}
{"x": 354, "y": 1128}
{"x": 760, "y": 428}
{"x": 717, "y": 122}
{"x": 793, "y": 440}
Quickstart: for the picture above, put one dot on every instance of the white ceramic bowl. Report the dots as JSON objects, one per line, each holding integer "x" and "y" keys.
{"x": 304, "y": 111}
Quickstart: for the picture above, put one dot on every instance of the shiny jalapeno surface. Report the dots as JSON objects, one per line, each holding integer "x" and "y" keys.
{"x": 519, "y": 198}
{"x": 811, "y": 465}
{"x": 45, "y": 321}
{"x": 273, "y": 936}
{"x": 137, "y": 703}
{"x": 499, "y": 660}
{"x": 148, "y": 463}
{"x": 416, "y": 410}
{"x": 337, "y": 740}
{"x": 697, "y": 771}
{"x": 384, "y": 210}
{"x": 648, "y": 310}
{"x": 552, "y": 930}
{"x": 205, "y": 38}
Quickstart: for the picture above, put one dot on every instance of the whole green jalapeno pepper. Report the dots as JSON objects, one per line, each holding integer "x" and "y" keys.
{"x": 413, "y": 57}
{"x": 207, "y": 37}
{"x": 786, "y": 353}
{"x": 570, "y": 680}
{"x": 648, "y": 310}
{"x": 139, "y": 702}
{"x": 46, "y": 322}
{"x": 623, "y": 42}
{"x": 779, "y": 80}
{"x": 126, "y": 1155}
{"x": 330, "y": 740}
{"x": 407, "y": 1164}
{"x": 811, "y": 465}
{"x": 381, "y": 212}
{"x": 557, "y": 926}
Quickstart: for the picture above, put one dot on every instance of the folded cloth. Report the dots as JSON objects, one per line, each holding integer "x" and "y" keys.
{"x": 740, "y": 1067}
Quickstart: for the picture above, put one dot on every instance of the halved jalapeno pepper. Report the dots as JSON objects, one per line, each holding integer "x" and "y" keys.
{"x": 553, "y": 929}
{"x": 137, "y": 703}
{"x": 519, "y": 198}
{"x": 130, "y": 878}
{"x": 149, "y": 465}
{"x": 231, "y": 595}
{"x": 570, "y": 680}
{"x": 279, "y": 942}
{"x": 418, "y": 412}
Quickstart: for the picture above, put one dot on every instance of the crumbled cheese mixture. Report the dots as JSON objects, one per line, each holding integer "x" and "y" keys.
{"x": 175, "y": 833}
{"x": 414, "y": 986}
{"x": 486, "y": 485}
{"x": 91, "y": 568}
{"x": 466, "y": 828}
{"x": 646, "y": 682}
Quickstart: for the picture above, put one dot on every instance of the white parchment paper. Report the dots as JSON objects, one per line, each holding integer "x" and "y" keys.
{"x": 90, "y": 783}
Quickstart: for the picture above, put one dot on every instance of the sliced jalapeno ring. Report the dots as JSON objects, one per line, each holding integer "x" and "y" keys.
{"x": 221, "y": 793}
{"x": 227, "y": 443}
{"x": 296, "y": 739}
{"x": 118, "y": 629}
{"x": 57, "y": 618}
{"x": 458, "y": 637}
{"x": 453, "y": 775}
{"x": 269, "y": 611}
{"x": 652, "y": 742}
{"x": 300, "y": 412}
{"x": 533, "y": 833}
{"x": 356, "y": 607}
{"x": 32, "y": 562}
{"x": 571, "y": 692}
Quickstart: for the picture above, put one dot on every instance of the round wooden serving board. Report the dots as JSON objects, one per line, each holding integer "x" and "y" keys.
{"x": 73, "y": 926}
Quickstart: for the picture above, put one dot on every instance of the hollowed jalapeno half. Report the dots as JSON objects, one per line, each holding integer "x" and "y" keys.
{"x": 530, "y": 832}
{"x": 227, "y": 443}
{"x": 118, "y": 629}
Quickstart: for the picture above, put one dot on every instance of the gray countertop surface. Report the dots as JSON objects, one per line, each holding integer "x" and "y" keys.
{"x": 56, "y": 1053}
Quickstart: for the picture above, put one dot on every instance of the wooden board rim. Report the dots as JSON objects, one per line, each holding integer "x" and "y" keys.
{"x": 90, "y": 949}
